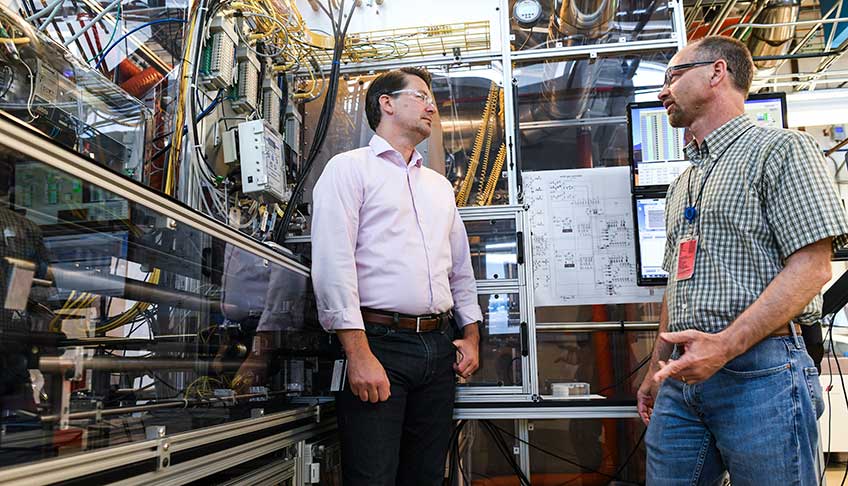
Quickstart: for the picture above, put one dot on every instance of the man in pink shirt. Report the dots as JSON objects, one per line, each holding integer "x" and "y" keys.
{"x": 392, "y": 270}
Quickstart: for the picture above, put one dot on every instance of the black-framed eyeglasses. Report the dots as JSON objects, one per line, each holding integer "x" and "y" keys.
{"x": 669, "y": 73}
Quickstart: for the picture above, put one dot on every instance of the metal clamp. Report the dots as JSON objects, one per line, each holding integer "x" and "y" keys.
{"x": 163, "y": 454}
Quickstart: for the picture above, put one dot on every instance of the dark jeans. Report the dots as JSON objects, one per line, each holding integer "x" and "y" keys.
{"x": 404, "y": 440}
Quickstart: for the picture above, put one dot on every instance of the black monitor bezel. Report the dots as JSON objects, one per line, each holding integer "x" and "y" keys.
{"x": 642, "y": 281}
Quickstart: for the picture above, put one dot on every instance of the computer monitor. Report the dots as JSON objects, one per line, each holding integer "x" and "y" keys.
{"x": 656, "y": 148}
{"x": 768, "y": 109}
{"x": 649, "y": 221}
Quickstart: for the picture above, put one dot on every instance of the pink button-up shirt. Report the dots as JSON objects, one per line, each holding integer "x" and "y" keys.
{"x": 386, "y": 235}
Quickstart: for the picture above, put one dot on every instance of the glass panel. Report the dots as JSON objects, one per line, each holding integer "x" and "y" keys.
{"x": 185, "y": 328}
{"x": 77, "y": 107}
{"x": 592, "y": 455}
{"x": 613, "y": 363}
{"x": 500, "y": 341}
{"x": 494, "y": 248}
{"x": 539, "y": 25}
{"x": 572, "y": 114}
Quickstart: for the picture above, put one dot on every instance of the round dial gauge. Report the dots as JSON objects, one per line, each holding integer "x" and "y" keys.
{"x": 527, "y": 12}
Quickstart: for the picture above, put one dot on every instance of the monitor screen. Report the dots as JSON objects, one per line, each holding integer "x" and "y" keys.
{"x": 768, "y": 110}
{"x": 649, "y": 212}
{"x": 656, "y": 148}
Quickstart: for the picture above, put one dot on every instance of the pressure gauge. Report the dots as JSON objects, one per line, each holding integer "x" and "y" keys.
{"x": 527, "y": 12}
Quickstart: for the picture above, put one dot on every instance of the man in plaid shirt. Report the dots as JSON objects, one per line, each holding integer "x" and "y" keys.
{"x": 750, "y": 227}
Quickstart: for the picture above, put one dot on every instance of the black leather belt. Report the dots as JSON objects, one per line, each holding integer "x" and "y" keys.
{"x": 422, "y": 323}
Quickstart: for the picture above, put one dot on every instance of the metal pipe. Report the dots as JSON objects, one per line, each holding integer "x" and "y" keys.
{"x": 156, "y": 406}
{"x": 597, "y": 326}
{"x": 750, "y": 8}
{"x": 109, "y": 285}
{"x": 775, "y": 40}
{"x": 801, "y": 82}
{"x": 56, "y": 364}
{"x": 693, "y": 14}
{"x": 589, "y": 18}
{"x": 836, "y": 148}
{"x": 811, "y": 74}
{"x": 807, "y": 37}
{"x": 782, "y": 24}
{"x": 722, "y": 16}
{"x": 805, "y": 55}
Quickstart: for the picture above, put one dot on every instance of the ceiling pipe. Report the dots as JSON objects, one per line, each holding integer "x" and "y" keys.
{"x": 716, "y": 24}
{"x": 774, "y": 41}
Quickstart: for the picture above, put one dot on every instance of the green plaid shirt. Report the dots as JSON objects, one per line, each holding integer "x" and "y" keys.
{"x": 766, "y": 194}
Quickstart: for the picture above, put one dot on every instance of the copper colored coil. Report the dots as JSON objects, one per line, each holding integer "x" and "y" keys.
{"x": 127, "y": 69}
{"x": 141, "y": 83}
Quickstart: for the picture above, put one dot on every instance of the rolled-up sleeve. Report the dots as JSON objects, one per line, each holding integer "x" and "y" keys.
{"x": 337, "y": 198}
{"x": 462, "y": 283}
{"x": 802, "y": 204}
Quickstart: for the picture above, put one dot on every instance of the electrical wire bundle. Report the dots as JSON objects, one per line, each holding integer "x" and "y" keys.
{"x": 339, "y": 34}
{"x": 834, "y": 357}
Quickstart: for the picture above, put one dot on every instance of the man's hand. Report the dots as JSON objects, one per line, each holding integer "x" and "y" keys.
{"x": 704, "y": 355}
{"x": 646, "y": 395}
{"x": 469, "y": 359}
{"x": 367, "y": 378}
{"x": 365, "y": 374}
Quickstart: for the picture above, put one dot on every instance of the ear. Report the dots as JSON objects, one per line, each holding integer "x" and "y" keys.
{"x": 387, "y": 104}
{"x": 719, "y": 72}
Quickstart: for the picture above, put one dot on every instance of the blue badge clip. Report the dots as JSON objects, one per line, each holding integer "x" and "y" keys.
{"x": 690, "y": 213}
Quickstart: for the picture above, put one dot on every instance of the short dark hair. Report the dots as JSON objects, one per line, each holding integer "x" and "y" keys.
{"x": 386, "y": 83}
{"x": 735, "y": 54}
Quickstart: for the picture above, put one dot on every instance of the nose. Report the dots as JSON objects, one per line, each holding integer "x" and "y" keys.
{"x": 430, "y": 107}
{"x": 664, "y": 92}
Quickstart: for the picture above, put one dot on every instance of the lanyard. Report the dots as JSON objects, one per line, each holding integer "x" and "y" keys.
{"x": 690, "y": 212}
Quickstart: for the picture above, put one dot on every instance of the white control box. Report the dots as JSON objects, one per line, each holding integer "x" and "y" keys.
{"x": 263, "y": 168}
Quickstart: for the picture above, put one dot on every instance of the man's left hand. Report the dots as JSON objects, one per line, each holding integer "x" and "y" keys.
{"x": 704, "y": 355}
{"x": 469, "y": 359}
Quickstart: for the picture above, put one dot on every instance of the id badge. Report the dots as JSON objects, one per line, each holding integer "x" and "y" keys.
{"x": 686, "y": 258}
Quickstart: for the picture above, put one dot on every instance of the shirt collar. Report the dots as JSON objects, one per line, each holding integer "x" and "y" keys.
{"x": 384, "y": 150}
{"x": 718, "y": 140}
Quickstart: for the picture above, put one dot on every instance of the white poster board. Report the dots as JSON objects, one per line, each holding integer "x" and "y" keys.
{"x": 581, "y": 227}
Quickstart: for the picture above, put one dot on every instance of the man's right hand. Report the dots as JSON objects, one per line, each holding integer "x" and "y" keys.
{"x": 365, "y": 374}
{"x": 367, "y": 378}
{"x": 646, "y": 395}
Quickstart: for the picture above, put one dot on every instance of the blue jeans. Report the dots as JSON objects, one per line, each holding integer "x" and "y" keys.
{"x": 754, "y": 419}
{"x": 404, "y": 440}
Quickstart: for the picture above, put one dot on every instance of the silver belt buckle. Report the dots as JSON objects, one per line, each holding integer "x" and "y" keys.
{"x": 418, "y": 324}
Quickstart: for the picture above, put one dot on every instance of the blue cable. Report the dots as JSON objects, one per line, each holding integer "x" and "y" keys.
{"x": 133, "y": 31}
{"x": 211, "y": 106}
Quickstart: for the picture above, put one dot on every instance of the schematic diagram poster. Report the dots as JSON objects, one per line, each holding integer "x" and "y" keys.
{"x": 581, "y": 227}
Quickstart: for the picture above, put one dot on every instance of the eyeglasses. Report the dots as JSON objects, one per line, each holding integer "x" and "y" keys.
{"x": 669, "y": 73}
{"x": 424, "y": 97}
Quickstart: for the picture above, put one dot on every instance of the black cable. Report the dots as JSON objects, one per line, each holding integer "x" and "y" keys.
{"x": 626, "y": 378}
{"x": 454, "y": 459}
{"x": 829, "y": 409}
{"x": 326, "y": 116}
{"x": 502, "y": 446}
{"x": 557, "y": 456}
{"x": 844, "y": 391}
